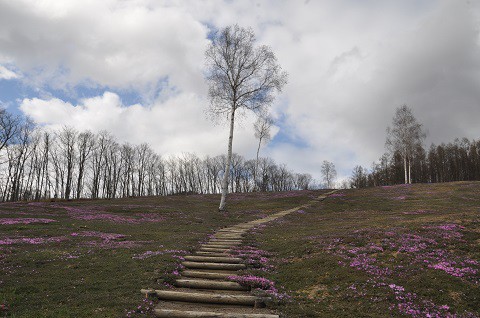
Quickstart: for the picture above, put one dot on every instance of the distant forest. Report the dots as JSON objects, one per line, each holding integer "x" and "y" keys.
{"x": 408, "y": 162}
{"x": 455, "y": 161}
{"x": 37, "y": 164}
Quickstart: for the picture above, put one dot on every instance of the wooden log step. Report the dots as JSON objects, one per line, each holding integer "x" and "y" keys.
{"x": 213, "y": 259}
{"x": 202, "y": 253}
{"x": 214, "y": 265}
{"x": 166, "y": 313}
{"x": 210, "y": 284}
{"x": 224, "y": 242}
{"x": 217, "y": 245}
{"x": 235, "y": 237}
{"x": 217, "y": 250}
{"x": 230, "y": 245}
{"x": 231, "y": 232}
{"x": 228, "y": 239}
{"x": 208, "y": 298}
{"x": 207, "y": 275}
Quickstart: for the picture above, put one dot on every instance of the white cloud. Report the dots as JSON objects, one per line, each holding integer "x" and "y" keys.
{"x": 173, "y": 127}
{"x": 7, "y": 74}
{"x": 122, "y": 44}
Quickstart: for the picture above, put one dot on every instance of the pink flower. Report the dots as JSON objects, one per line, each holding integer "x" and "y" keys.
{"x": 11, "y": 221}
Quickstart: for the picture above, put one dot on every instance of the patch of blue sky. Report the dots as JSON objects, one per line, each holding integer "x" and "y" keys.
{"x": 14, "y": 91}
{"x": 286, "y": 135}
{"x": 212, "y": 30}
{"x": 80, "y": 92}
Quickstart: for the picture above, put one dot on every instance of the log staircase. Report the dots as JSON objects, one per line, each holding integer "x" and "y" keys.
{"x": 203, "y": 288}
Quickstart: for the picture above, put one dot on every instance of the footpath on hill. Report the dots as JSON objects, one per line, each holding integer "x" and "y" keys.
{"x": 203, "y": 288}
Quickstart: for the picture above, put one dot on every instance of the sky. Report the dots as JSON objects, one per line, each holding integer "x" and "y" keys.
{"x": 136, "y": 69}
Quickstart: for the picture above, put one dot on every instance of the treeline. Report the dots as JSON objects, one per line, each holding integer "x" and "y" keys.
{"x": 455, "y": 161}
{"x": 37, "y": 164}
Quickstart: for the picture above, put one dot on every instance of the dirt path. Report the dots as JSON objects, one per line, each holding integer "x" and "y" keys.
{"x": 203, "y": 289}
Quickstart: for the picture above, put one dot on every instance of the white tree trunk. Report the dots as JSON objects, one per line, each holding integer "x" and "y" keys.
{"x": 409, "y": 172}
{"x": 227, "y": 165}
{"x": 405, "y": 168}
{"x": 256, "y": 167}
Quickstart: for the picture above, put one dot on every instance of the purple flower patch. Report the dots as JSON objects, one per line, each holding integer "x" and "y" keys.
{"x": 32, "y": 240}
{"x": 10, "y": 221}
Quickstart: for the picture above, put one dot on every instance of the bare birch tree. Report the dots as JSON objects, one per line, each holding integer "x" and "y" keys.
{"x": 328, "y": 173}
{"x": 262, "y": 132}
{"x": 404, "y": 137}
{"x": 240, "y": 75}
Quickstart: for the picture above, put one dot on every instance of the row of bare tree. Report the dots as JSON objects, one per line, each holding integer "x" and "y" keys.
{"x": 68, "y": 164}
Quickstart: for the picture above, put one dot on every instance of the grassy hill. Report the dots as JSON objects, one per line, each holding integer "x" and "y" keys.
{"x": 386, "y": 251}
{"x": 406, "y": 251}
{"x": 90, "y": 258}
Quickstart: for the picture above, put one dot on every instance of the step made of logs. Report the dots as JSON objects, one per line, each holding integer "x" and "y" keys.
{"x": 213, "y": 259}
{"x": 216, "y": 250}
{"x": 214, "y": 241}
{"x": 168, "y": 313}
{"x": 200, "y": 253}
{"x": 229, "y": 239}
{"x": 216, "y": 245}
{"x": 231, "y": 232}
{"x": 205, "y": 274}
{"x": 210, "y": 284}
{"x": 223, "y": 266}
{"x": 209, "y": 298}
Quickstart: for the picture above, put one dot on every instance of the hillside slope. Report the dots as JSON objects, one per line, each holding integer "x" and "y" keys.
{"x": 90, "y": 258}
{"x": 403, "y": 251}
